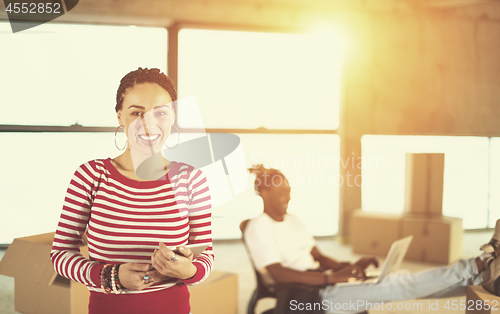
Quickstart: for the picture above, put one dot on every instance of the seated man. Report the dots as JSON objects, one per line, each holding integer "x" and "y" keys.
{"x": 283, "y": 251}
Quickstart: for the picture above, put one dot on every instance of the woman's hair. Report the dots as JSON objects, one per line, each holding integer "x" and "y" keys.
{"x": 265, "y": 177}
{"x": 140, "y": 76}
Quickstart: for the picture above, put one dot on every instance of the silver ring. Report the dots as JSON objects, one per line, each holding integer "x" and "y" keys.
{"x": 174, "y": 258}
{"x": 147, "y": 279}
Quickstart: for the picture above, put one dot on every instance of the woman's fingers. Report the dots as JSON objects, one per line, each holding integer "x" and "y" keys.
{"x": 173, "y": 263}
{"x": 159, "y": 267}
{"x": 137, "y": 276}
{"x": 168, "y": 254}
{"x": 155, "y": 275}
{"x": 162, "y": 259}
{"x": 137, "y": 266}
{"x": 132, "y": 275}
{"x": 164, "y": 253}
{"x": 186, "y": 252}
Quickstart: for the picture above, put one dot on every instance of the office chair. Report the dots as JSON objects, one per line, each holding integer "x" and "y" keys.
{"x": 281, "y": 292}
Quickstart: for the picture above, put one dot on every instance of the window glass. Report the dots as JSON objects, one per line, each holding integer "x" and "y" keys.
{"x": 61, "y": 74}
{"x": 251, "y": 80}
{"x": 465, "y": 190}
{"x": 36, "y": 170}
{"x": 311, "y": 165}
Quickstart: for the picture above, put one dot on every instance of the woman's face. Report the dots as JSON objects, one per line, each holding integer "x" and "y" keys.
{"x": 147, "y": 116}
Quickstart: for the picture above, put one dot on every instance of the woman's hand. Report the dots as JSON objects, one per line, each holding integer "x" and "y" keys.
{"x": 182, "y": 267}
{"x": 346, "y": 273}
{"x": 364, "y": 262}
{"x": 132, "y": 276}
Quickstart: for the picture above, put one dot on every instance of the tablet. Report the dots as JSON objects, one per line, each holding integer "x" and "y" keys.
{"x": 197, "y": 249}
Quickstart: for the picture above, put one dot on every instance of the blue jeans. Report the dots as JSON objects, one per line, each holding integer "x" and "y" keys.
{"x": 442, "y": 282}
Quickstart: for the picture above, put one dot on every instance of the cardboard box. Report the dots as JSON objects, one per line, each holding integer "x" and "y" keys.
{"x": 486, "y": 300}
{"x": 38, "y": 289}
{"x": 424, "y": 184}
{"x": 217, "y": 294}
{"x": 437, "y": 239}
{"x": 373, "y": 233}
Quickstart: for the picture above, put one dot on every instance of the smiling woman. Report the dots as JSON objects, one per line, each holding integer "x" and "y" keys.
{"x": 135, "y": 220}
{"x": 145, "y": 109}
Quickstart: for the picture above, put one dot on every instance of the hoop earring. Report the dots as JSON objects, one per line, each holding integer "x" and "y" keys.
{"x": 115, "y": 139}
{"x": 178, "y": 138}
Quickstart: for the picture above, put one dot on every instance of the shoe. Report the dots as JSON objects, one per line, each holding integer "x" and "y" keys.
{"x": 487, "y": 258}
{"x": 491, "y": 277}
{"x": 493, "y": 246}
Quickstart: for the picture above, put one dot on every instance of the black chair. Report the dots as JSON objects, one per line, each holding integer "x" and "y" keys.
{"x": 281, "y": 292}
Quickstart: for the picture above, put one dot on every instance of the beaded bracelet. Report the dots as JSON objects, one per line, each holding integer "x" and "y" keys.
{"x": 114, "y": 279}
{"x": 105, "y": 283}
{"x": 117, "y": 278}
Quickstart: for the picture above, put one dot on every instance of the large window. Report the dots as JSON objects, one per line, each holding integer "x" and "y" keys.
{"x": 245, "y": 80}
{"x": 279, "y": 92}
{"x": 60, "y": 75}
{"x": 471, "y": 174}
{"x": 64, "y": 74}
{"x": 310, "y": 163}
{"x": 288, "y": 84}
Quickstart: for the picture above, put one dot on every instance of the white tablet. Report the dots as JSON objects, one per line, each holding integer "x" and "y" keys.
{"x": 197, "y": 249}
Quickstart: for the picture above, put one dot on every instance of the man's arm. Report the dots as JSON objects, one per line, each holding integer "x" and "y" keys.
{"x": 329, "y": 263}
{"x": 326, "y": 262}
{"x": 282, "y": 274}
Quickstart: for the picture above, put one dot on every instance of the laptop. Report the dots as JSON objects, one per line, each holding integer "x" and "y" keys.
{"x": 392, "y": 262}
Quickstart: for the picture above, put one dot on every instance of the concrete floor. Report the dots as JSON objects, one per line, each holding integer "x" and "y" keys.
{"x": 231, "y": 256}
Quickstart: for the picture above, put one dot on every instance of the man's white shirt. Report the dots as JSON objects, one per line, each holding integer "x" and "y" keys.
{"x": 285, "y": 242}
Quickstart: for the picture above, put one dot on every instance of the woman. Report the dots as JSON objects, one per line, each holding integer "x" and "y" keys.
{"x": 134, "y": 217}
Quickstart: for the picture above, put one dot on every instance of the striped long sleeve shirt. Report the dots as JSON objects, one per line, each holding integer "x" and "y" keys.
{"x": 126, "y": 219}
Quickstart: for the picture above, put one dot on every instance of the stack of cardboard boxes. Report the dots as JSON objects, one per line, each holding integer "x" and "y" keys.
{"x": 435, "y": 238}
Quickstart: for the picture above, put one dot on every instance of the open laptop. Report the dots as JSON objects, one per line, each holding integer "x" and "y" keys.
{"x": 392, "y": 262}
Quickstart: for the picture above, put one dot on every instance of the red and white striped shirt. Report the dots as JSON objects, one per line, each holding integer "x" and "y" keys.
{"x": 127, "y": 219}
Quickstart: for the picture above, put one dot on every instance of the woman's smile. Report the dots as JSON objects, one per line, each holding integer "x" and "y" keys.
{"x": 147, "y": 116}
{"x": 149, "y": 131}
{"x": 150, "y": 140}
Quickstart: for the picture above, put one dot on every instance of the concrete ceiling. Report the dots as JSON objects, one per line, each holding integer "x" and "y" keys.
{"x": 266, "y": 14}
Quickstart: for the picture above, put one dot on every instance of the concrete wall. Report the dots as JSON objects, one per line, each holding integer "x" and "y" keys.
{"x": 420, "y": 72}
